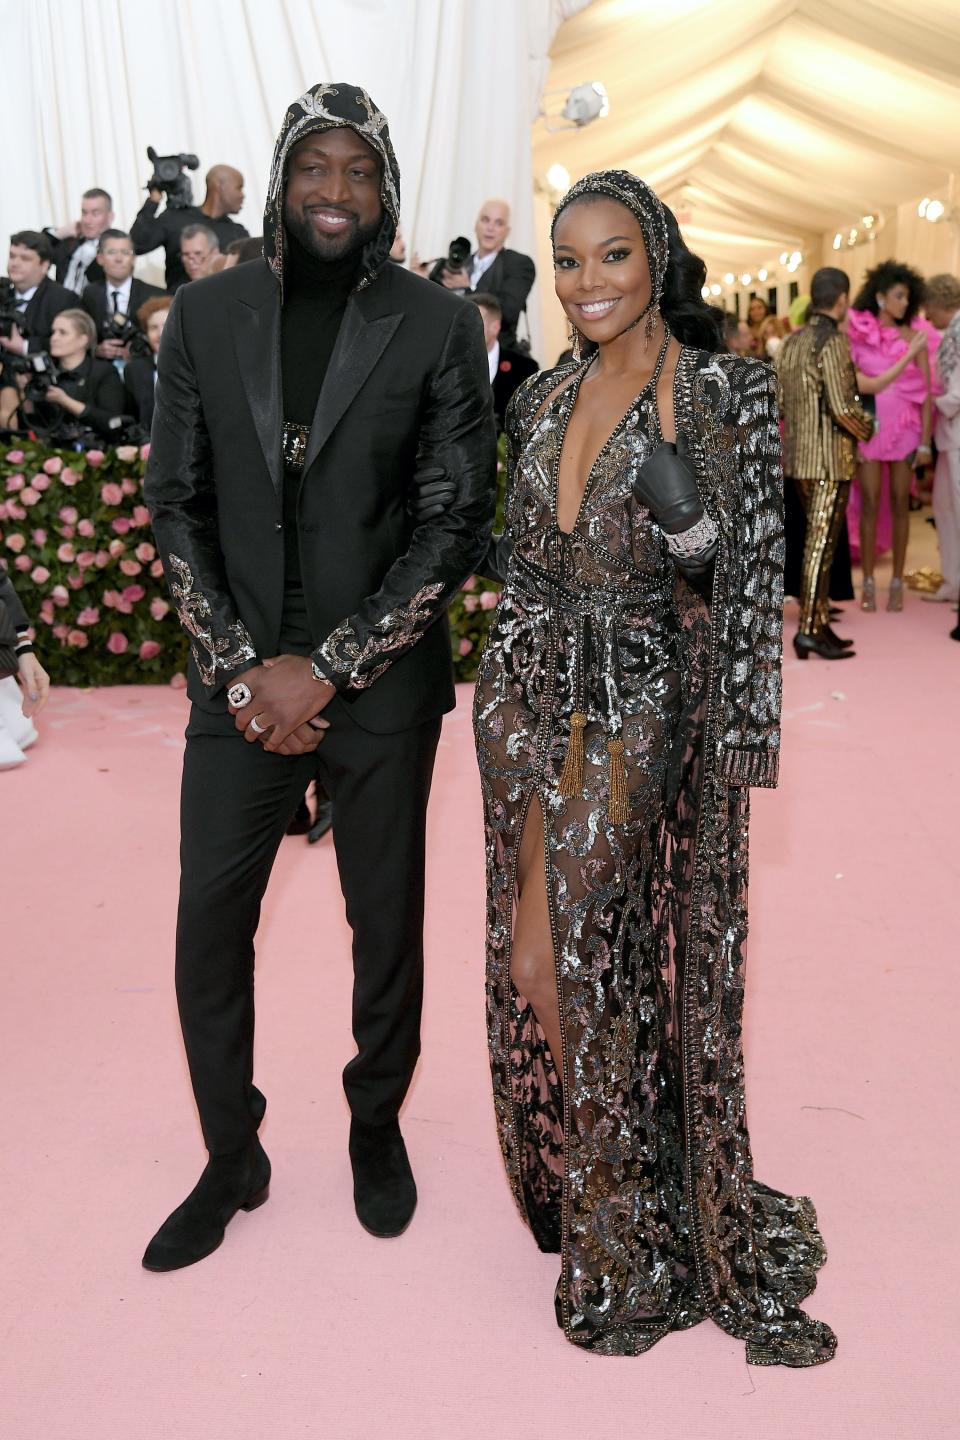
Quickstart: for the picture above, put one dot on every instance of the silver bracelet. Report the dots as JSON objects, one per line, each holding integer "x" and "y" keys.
{"x": 692, "y": 543}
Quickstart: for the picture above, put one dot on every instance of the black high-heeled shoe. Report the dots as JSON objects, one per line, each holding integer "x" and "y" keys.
{"x": 805, "y": 645}
{"x": 828, "y": 633}
{"x": 197, "y": 1227}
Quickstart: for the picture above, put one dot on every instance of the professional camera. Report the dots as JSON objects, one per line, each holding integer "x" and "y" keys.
{"x": 9, "y": 315}
{"x": 458, "y": 254}
{"x": 43, "y": 373}
{"x": 121, "y": 328}
{"x": 168, "y": 176}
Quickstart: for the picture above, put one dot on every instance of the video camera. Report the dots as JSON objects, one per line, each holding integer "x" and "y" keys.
{"x": 458, "y": 253}
{"x": 168, "y": 176}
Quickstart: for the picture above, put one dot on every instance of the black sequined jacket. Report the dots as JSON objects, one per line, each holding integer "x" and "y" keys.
{"x": 407, "y": 386}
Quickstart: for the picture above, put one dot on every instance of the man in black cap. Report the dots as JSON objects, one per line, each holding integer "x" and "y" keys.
{"x": 300, "y": 401}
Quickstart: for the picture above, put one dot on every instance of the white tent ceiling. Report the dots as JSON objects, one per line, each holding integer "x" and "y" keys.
{"x": 766, "y": 123}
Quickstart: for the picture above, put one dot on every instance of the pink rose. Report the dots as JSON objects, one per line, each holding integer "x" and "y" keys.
{"x": 79, "y": 639}
{"x": 128, "y": 486}
{"x": 86, "y": 559}
{"x": 39, "y": 537}
{"x": 111, "y": 494}
{"x": 102, "y": 559}
{"x": 16, "y": 542}
{"x": 23, "y": 562}
{"x": 118, "y": 644}
{"x": 126, "y": 453}
{"x": 85, "y": 528}
{"x": 40, "y": 575}
{"x": 75, "y": 580}
{"x": 178, "y": 681}
{"x": 130, "y": 567}
{"x": 68, "y": 476}
{"x": 67, "y": 531}
{"x": 69, "y": 515}
{"x": 148, "y": 649}
{"x": 488, "y": 600}
{"x": 15, "y": 482}
{"x": 141, "y": 515}
{"x": 14, "y": 456}
{"x": 471, "y": 603}
{"x": 61, "y": 631}
{"x": 53, "y": 465}
{"x": 469, "y": 583}
{"x": 144, "y": 451}
{"x": 158, "y": 608}
{"x": 66, "y": 554}
{"x": 111, "y": 598}
{"x": 41, "y": 482}
{"x": 59, "y": 595}
{"x": 94, "y": 458}
{"x": 465, "y": 646}
{"x": 116, "y": 547}
{"x": 156, "y": 569}
{"x": 121, "y": 526}
{"x": 29, "y": 496}
{"x": 46, "y": 611}
{"x": 145, "y": 552}
{"x": 15, "y": 512}
{"x": 133, "y": 593}
{"x": 90, "y": 616}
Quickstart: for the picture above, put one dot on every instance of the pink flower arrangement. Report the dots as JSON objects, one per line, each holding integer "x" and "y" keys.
{"x": 471, "y": 603}
{"x": 69, "y": 515}
{"x": 39, "y": 537}
{"x": 158, "y": 608}
{"x": 23, "y": 563}
{"x": 16, "y": 542}
{"x": 126, "y": 453}
{"x": 118, "y": 644}
{"x": 149, "y": 649}
{"x": 145, "y": 451}
{"x": 29, "y": 496}
{"x": 130, "y": 567}
{"x": 95, "y": 458}
{"x": 133, "y": 593}
{"x": 15, "y": 483}
{"x": 66, "y": 554}
{"x": 111, "y": 493}
{"x": 85, "y": 528}
{"x": 15, "y": 457}
{"x": 488, "y": 600}
{"x": 40, "y": 575}
{"x": 68, "y": 476}
{"x": 465, "y": 646}
{"x": 90, "y": 616}
{"x": 79, "y": 639}
{"x": 53, "y": 465}
{"x": 145, "y": 552}
{"x": 86, "y": 559}
{"x": 141, "y": 515}
{"x": 40, "y": 482}
{"x": 121, "y": 525}
{"x": 116, "y": 547}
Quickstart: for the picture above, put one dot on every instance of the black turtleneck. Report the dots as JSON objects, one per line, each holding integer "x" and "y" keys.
{"x": 315, "y": 294}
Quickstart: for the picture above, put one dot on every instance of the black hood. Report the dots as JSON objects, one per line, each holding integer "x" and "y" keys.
{"x": 333, "y": 107}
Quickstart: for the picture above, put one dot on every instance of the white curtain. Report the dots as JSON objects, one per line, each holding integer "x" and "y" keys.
{"x": 96, "y": 81}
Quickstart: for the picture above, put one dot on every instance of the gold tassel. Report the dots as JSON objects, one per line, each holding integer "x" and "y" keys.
{"x": 618, "y": 803}
{"x": 571, "y": 776}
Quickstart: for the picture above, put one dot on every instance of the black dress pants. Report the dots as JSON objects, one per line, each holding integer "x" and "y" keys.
{"x": 237, "y": 800}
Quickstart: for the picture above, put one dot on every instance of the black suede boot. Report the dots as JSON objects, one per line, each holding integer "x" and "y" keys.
{"x": 384, "y": 1190}
{"x": 195, "y": 1229}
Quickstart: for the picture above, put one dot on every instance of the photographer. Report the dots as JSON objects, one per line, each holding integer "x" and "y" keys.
{"x": 32, "y": 299}
{"x": 224, "y": 198}
{"x": 492, "y": 268}
{"x": 75, "y": 244}
{"x": 113, "y": 302}
{"x": 86, "y": 391}
{"x": 140, "y": 373}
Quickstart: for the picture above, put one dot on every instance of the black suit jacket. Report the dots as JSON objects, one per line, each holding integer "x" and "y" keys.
{"x": 62, "y": 251}
{"x": 514, "y": 367}
{"x": 96, "y": 302}
{"x": 407, "y": 385}
{"x": 49, "y": 301}
{"x": 139, "y": 383}
{"x": 510, "y": 278}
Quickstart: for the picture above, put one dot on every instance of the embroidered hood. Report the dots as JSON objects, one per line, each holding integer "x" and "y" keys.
{"x": 332, "y": 107}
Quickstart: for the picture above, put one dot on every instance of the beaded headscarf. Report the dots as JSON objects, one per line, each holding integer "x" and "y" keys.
{"x": 334, "y": 107}
{"x": 651, "y": 215}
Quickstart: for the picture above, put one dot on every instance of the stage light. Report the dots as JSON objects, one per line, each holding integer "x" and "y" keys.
{"x": 922, "y": 207}
{"x": 705, "y": 291}
{"x": 586, "y": 103}
{"x": 716, "y": 289}
{"x": 761, "y": 274}
{"x": 869, "y": 221}
{"x": 784, "y": 258}
{"x": 935, "y": 210}
{"x": 558, "y": 178}
{"x": 745, "y": 278}
{"x": 837, "y": 240}
{"x": 728, "y": 278}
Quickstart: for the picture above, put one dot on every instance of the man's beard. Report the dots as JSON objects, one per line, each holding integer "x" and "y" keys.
{"x": 351, "y": 239}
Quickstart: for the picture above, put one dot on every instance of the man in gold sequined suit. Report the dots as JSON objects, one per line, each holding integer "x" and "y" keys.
{"x": 823, "y": 421}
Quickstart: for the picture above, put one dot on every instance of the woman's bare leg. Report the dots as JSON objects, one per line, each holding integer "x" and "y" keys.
{"x": 869, "y": 476}
{"x": 532, "y": 965}
{"x": 901, "y": 479}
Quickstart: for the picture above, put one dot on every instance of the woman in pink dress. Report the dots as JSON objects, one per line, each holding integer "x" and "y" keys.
{"x": 880, "y": 328}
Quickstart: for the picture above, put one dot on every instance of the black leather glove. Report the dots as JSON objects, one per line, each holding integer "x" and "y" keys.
{"x": 666, "y": 484}
{"x": 431, "y": 493}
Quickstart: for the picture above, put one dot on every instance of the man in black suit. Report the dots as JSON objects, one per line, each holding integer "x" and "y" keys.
{"x": 494, "y": 269}
{"x": 75, "y": 244}
{"x": 38, "y": 299}
{"x": 224, "y": 198}
{"x": 116, "y": 299}
{"x": 299, "y": 397}
{"x": 507, "y": 368}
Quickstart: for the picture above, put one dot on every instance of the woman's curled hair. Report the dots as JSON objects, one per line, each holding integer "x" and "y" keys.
{"x": 690, "y": 317}
{"x": 882, "y": 278}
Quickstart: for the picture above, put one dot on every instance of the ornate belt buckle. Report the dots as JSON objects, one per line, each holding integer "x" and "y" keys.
{"x": 295, "y": 440}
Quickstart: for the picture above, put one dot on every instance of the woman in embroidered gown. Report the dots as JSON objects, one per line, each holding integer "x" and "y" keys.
{"x": 627, "y": 698}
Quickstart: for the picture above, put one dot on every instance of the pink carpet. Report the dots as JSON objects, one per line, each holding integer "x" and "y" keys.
{"x": 301, "y": 1324}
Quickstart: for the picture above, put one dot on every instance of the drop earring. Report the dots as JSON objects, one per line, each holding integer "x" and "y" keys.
{"x": 650, "y": 326}
{"x": 577, "y": 347}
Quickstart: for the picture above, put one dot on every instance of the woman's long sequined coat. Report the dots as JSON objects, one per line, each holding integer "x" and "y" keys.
{"x": 634, "y": 1161}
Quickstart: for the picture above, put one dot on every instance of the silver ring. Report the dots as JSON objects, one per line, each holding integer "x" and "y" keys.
{"x": 239, "y": 695}
{"x": 256, "y": 728}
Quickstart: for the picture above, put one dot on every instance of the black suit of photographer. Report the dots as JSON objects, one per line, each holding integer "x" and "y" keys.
{"x": 139, "y": 381}
{"x": 98, "y": 385}
{"x": 48, "y": 301}
{"x": 151, "y": 230}
{"x": 62, "y": 253}
{"x": 99, "y": 306}
{"x": 510, "y": 278}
